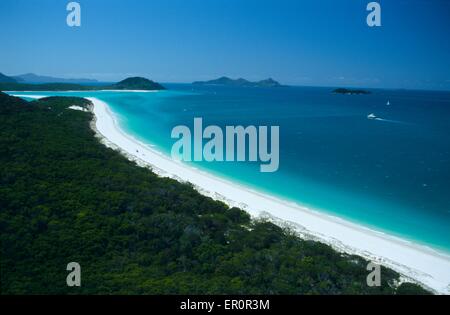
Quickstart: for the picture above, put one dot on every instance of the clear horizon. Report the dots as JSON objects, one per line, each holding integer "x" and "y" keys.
{"x": 312, "y": 43}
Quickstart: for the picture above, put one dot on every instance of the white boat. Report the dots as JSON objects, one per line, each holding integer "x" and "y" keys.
{"x": 371, "y": 116}
{"x": 388, "y": 103}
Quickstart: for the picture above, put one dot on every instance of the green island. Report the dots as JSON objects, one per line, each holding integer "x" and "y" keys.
{"x": 350, "y": 91}
{"x": 134, "y": 83}
{"x": 240, "y": 82}
{"x": 66, "y": 197}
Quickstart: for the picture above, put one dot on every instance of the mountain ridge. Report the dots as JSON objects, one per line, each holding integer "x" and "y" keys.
{"x": 240, "y": 82}
{"x": 6, "y": 79}
{"x": 35, "y": 78}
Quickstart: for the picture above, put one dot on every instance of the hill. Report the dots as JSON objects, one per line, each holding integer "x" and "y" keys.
{"x": 6, "y": 79}
{"x": 34, "y": 78}
{"x": 136, "y": 83}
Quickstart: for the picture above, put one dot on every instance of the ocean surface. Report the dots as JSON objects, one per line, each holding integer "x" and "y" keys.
{"x": 391, "y": 174}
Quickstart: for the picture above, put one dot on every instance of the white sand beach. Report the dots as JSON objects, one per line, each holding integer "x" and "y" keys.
{"x": 415, "y": 262}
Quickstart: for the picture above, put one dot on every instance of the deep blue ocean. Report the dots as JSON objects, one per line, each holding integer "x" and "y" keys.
{"x": 392, "y": 174}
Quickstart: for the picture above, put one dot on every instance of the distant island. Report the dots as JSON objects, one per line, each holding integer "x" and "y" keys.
{"x": 350, "y": 91}
{"x": 34, "y": 78}
{"x": 134, "y": 83}
{"x": 240, "y": 82}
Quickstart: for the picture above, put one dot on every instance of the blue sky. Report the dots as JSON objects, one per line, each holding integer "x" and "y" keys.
{"x": 311, "y": 42}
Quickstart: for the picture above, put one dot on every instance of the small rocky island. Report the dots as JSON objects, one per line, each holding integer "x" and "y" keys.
{"x": 240, "y": 82}
{"x": 350, "y": 91}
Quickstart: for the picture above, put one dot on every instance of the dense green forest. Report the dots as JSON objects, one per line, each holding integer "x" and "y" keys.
{"x": 65, "y": 197}
{"x": 134, "y": 83}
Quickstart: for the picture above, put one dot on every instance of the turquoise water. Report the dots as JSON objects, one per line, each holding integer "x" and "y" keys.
{"x": 392, "y": 175}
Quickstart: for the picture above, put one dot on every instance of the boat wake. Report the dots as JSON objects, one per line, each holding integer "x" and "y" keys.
{"x": 372, "y": 116}
{"x": 393, "y": 121}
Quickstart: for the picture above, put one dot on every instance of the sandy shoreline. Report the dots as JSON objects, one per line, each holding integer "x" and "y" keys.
{"x": 415, "y": 262}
